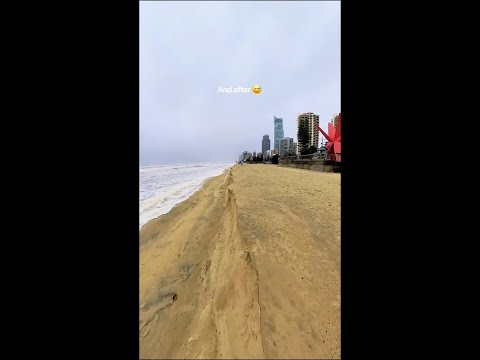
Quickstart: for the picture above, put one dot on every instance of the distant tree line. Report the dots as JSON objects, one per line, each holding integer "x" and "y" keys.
{"x": 303, "y": 136}
{"x": 260, "y": 158}
{"x": 310, "y": 150}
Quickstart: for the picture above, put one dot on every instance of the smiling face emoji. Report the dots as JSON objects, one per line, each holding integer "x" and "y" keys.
{"x": 257, "y": 89}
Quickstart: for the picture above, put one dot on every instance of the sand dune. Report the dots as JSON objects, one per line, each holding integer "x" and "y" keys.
{"x": 248, "y": 267}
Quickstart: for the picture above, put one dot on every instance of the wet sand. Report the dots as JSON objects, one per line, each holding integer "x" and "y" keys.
{"x": 247, "y": 267}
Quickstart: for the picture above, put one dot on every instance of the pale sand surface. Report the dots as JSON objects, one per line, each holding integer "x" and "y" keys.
{"x": 253, "y": 262}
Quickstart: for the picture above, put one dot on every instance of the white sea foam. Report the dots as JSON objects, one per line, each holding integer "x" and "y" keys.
{"x": 164, "y": 186}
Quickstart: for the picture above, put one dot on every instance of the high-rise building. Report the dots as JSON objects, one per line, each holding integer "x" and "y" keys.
{"x": 265, "y": 144}
{"x": 286, "y": 146}
{"x": 278, "y": 132}
{"x": 311, "y": 120}
{"x": 254, "y": 154}
{"x": 246, "y": 155}
{"x": 335, "y": 120}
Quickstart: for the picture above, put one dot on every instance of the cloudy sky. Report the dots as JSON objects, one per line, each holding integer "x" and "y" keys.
{"x": 189, "y": 49}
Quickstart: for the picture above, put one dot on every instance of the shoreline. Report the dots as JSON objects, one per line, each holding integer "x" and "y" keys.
{"x": 198, "y": 189}
{"x": 246, "y": 267}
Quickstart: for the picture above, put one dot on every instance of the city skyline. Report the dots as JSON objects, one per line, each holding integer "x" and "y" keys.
{"x": 287, "y": 143}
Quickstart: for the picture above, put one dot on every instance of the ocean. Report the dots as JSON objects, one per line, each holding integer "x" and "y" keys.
{"x": 164, "y": 186}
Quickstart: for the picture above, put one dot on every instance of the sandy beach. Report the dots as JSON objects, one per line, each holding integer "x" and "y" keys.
{"x": 247, "y": 267}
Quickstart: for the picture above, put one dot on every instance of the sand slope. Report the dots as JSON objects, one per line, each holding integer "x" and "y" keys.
{"x": 248, "y": 267}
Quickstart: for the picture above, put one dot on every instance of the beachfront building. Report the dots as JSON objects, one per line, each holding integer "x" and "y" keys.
{"x": 312, "y": 121}
{"x": 265, "y": 144}
{"x": 278, "y": 132}
{"x": 335, "y": 120}
{"x": 286, "y": 146}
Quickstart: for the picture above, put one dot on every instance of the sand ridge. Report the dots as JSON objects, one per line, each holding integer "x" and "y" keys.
{"x": 221, "y": 274}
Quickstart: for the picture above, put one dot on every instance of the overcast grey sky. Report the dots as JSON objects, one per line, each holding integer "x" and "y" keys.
{"x": 188, "y": 49}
